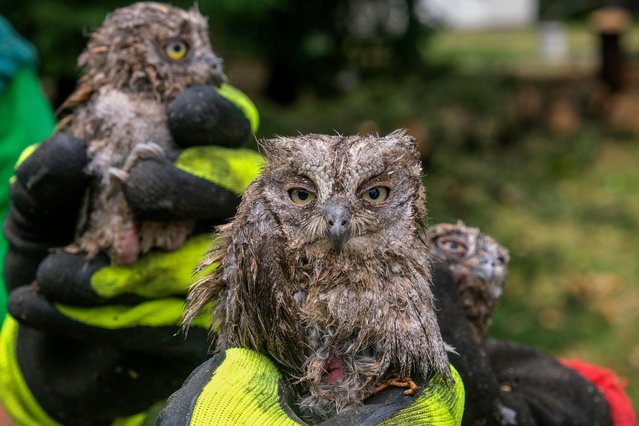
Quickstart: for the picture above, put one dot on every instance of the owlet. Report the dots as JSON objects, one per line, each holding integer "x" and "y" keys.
{"x": 324, "y": 268}
{"x": 134, "y": 64}
{"x": 479, "y": 265}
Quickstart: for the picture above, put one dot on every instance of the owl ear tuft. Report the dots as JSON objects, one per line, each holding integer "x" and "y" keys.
{"x": 268, "y": 147}
{"x": 400, "y": 138}
{"x": 278, "y": 148}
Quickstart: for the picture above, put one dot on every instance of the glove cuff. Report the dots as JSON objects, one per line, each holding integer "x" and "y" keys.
{"x": 14, "y": 392}
{"x": 238, "y": 387}
{"x": 441, "y": 403}
{"x": 249, "y": 398}
{"x": 15, "y": 395}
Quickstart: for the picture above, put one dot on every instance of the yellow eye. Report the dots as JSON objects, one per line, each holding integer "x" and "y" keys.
{"x": 176, "y": 50}
{"x": 301, "y": 196}
{"x": 376, "y": 194}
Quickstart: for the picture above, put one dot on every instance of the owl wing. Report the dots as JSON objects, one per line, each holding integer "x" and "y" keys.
{"x": 252, "y": 286}
{"x": 80, "y": 96}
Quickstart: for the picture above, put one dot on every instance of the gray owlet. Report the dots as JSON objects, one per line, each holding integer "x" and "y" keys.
{"x": 479, "y": 265}
{"x": 324, "y": 269}
{"x": 135, "y": 63}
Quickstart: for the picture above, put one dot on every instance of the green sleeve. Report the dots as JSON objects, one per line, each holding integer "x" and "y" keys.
{"x": 25, "y": 118}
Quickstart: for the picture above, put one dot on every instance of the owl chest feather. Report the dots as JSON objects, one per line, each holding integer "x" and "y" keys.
{"x": 362, "y": 300}
{"x": 121, "y": 129}
{"x": 365, "y": 320}
{"x": 114, "y": 122}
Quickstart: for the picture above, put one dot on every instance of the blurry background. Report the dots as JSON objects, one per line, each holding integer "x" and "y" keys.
{"x": 526, "y": 111}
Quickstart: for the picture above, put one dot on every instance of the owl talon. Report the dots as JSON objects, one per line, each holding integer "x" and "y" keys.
{"x": 399, "y": 382}
{"x": 148, "y": 150}
{"x": 118, "y": 174}
{"x": 143, "y": 151}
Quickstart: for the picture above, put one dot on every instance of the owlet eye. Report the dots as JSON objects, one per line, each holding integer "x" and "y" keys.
{"x": 301, "y": 196}
{"x": 452, "y": 245}
{"x": 176, "y": 50}
{"x": 376, "y": 194}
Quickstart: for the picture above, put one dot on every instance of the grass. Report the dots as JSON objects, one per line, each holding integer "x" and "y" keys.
{"x": 568, "y": 209}
{"x": 518, "y": 49}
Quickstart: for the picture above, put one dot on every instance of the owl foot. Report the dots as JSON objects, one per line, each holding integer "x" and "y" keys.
{"x": 399, "y": 382}
{"x": 126, "y": 248}
{"x": 143, "y": 151}
{"x": 118, "y": 175}
{"x": 168, "y": 236}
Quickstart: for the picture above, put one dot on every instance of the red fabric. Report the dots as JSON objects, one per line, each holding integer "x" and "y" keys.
{"x": 612, "y": 388}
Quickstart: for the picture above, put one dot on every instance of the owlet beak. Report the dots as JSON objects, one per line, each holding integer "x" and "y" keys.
{"x": 215, "y": 64}
{"x": 337, "y": 218}
{"x": 483, "y": 268}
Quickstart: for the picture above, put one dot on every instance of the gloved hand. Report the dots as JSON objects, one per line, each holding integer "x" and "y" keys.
{"x": 546, "y": 390}
{"x": 50, "y": 183}
{"x": 97, "y": 342}
{"x": 91, "y": 365}
{"x": 485, "y": 403}
{"x": 243, "y": 387}
{"x": 508, "y": 383}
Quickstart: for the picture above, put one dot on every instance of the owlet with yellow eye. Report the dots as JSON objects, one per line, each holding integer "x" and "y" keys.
{"x": 134, "y": 65}
{"x": 324, "y": 269}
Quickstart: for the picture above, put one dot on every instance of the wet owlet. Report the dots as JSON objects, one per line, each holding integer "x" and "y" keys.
{"x": 135, "y": 63}
{"x": 479, "y": 265}
{"x": 324, "y": 269}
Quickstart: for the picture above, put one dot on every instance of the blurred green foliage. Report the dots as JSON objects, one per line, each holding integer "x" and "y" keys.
{"x": 303, "y": 44}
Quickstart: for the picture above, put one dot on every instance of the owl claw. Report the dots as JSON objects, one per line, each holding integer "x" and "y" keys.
{"x": 396, "y": 381}
{"x": 118, "y": 174}
{"x": 143, "y": 151}
{"x": 148, "y": 150}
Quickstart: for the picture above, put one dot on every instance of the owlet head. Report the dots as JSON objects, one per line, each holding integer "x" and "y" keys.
{"x": 152, "y": 47}
{"x": 470, "y": 255}
{"x": 335, "y": 194}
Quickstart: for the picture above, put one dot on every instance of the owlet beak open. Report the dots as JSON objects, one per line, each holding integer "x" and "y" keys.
{"x": 337, "y": 218}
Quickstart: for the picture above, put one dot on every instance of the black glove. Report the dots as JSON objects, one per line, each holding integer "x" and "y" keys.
{"x": 200, "y": 115}
{"x": 552, "y": 393}
{"x": 42, "y": 216}
{"x": 485, "y": 404}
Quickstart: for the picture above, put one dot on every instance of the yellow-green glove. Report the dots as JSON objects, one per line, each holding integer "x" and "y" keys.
{"x": 243, "y": 387}
{"x": 90, "y": 365}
